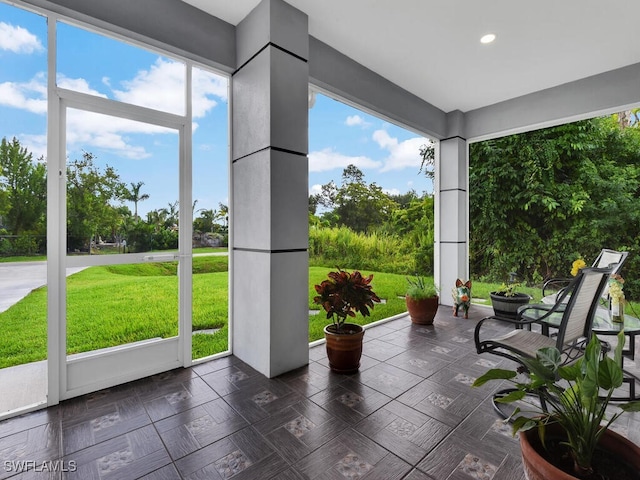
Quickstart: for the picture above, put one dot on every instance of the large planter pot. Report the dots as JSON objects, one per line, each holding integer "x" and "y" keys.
{"x": 537, "y": 467}
{"x": 423, "y": 311}
{"x": 507, "y": 307}
{"x": 344, "y": 349}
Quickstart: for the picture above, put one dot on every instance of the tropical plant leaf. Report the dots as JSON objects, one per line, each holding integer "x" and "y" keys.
{"x": 549, "y": 357}
{"x": 494, "y": 374}
{"x": 610, "y": 374}
{"x": 511, "y": 397}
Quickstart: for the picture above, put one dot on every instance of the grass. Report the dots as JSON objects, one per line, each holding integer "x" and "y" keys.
{"x": 119, "y": 304}
{"x": 42, "y": 258}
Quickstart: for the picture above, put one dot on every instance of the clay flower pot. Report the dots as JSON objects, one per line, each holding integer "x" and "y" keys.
{"x": 536, "y": 466}
{"x": 423, "y": 311}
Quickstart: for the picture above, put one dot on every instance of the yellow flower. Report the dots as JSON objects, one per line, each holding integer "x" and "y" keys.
{"x": 577, "y": 265}
{"x": 615, "y": 288}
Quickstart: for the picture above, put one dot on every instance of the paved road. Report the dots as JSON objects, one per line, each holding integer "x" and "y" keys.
{"x": 17, "y": 280}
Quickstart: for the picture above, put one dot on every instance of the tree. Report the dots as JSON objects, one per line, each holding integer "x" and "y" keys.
{"x": 356, "y": 204}
{"x": 91, "y": 195}
{"x": 428, "y": 155}
{"x": 133, "y": 195}
{"x": 223, "y": 214}
{"x": 23, "y": 189}
{"x": 541, "y": 199}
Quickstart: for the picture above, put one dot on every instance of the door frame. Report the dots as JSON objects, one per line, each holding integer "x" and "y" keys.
{"x": 74, "y": 375}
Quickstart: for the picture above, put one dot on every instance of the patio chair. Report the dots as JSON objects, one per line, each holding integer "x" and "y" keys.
{"x": 606, "y": 258}
{"x": 576, "y": 306}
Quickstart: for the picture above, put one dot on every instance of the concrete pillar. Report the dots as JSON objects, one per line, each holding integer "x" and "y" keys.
{"x": 452, "y": 208}
{"x": 270, "y": 317}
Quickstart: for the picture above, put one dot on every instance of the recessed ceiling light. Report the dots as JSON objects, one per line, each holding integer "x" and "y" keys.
{"x": 488, "y": 38}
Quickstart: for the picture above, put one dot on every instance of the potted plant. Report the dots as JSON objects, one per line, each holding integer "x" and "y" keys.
{"x": 343, "y": 295}
{"x": 422, "y": 300}
{"x": 572, "y": 439}
{"x": 506, "y": 300}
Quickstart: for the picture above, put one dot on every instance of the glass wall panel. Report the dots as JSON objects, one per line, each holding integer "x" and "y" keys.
{"x": 102, "y": 66}
{"x": 109, "y": 306}
{"x": 210, "y": 214}
{"x": 23, "y": 205}
{"x": 122, "y": 185}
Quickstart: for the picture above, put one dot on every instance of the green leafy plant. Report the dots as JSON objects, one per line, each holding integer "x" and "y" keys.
{"x": 419, "y": 288}
{"x": 344, "y": 294}
{"x": 577, "y": 396}
{"x": 508, "y": 289}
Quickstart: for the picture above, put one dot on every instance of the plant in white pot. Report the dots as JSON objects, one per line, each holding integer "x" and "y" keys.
{"x": 567, "y": 439}
{"x": 343, "y": 295}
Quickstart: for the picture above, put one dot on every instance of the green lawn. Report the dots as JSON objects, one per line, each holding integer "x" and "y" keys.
{"x": 118, "y": 304}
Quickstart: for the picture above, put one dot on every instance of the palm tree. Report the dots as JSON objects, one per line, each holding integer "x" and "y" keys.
{"x": 224, "y": 214}
{"x": 134, "y": 196}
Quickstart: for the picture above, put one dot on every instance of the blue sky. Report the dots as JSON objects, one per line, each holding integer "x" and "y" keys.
{"x": 339, "y": 135}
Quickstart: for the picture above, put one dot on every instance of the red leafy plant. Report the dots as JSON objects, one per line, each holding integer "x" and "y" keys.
{"x": 344, "y": 294}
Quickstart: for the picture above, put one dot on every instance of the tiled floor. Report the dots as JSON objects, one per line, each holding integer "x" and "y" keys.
{"x": 409, "y": 413}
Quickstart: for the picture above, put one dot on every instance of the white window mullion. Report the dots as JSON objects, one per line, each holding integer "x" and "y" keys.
{"x": 185, "y": 276}
{"x": 56, "y": 207}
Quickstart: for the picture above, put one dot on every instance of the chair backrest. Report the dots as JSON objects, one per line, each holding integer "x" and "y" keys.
{"x": 583, "y": 298}
{"x": 610, "y": 258}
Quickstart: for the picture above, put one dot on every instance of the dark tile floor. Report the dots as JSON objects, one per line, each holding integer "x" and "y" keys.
{"x": 409, "y": 413}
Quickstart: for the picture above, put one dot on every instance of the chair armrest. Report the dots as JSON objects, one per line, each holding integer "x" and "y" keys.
{"x": 516, "y": 323}
{"x": 549, "y": 309}
{"x": 556, "y": 283}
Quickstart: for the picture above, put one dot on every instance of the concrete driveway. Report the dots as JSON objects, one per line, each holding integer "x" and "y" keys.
{"x": 17, "y": 280}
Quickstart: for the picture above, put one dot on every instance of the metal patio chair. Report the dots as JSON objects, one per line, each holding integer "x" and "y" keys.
{"x": 576, "y": 306}
{"x": 607, "y": 258}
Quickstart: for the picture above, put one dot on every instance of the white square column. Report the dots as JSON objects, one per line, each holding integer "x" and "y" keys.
{"x": 270, "y": 237}
{"x": 451, "y": 213}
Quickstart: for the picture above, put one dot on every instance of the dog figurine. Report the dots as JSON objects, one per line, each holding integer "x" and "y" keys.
{"x": 461, "y": 297}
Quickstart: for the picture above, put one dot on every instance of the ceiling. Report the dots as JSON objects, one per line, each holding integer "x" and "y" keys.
{"x": 432, "y": 47}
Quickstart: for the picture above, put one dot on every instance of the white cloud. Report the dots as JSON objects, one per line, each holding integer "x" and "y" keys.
{"x": 355, "y": 120}
{"x": 88, "y": 129}
{"x": 391, "y": 191}
{"x": 315, "y": 189}
{"x": 30, "y": 96}
{"x": 77, "y": 85}
{"x": 405, "y": 154}
{"x": 162, "y": 87}
{"x": 18, "y": 39}
{"x": 328, "y": 159}
{"x": 36, "y": 144}
{"x": 205, "y": 85}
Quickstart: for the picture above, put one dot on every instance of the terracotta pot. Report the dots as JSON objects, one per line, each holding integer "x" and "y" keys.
{"x": 422, "y": 312}
{"x": 507, "y": 307}
{"x": 344, "y": 349}
{"x": 536, "y": 467}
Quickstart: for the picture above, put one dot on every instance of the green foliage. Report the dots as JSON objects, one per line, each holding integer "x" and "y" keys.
{"x": 343, "y": 294}
{"x": 116, "y": 304}
{"x": 355, "y": 204}
{"x": 540, "y": 199}
{"x": 420, "y": 288}
{"x": 577, "y": 396}
{"x": 388, "y": 286}
{"x": 90, "y": 193}
{"x": 508, "y": 289}
{"x": 377, "y": 251}
{"x": 23, "y": 189}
